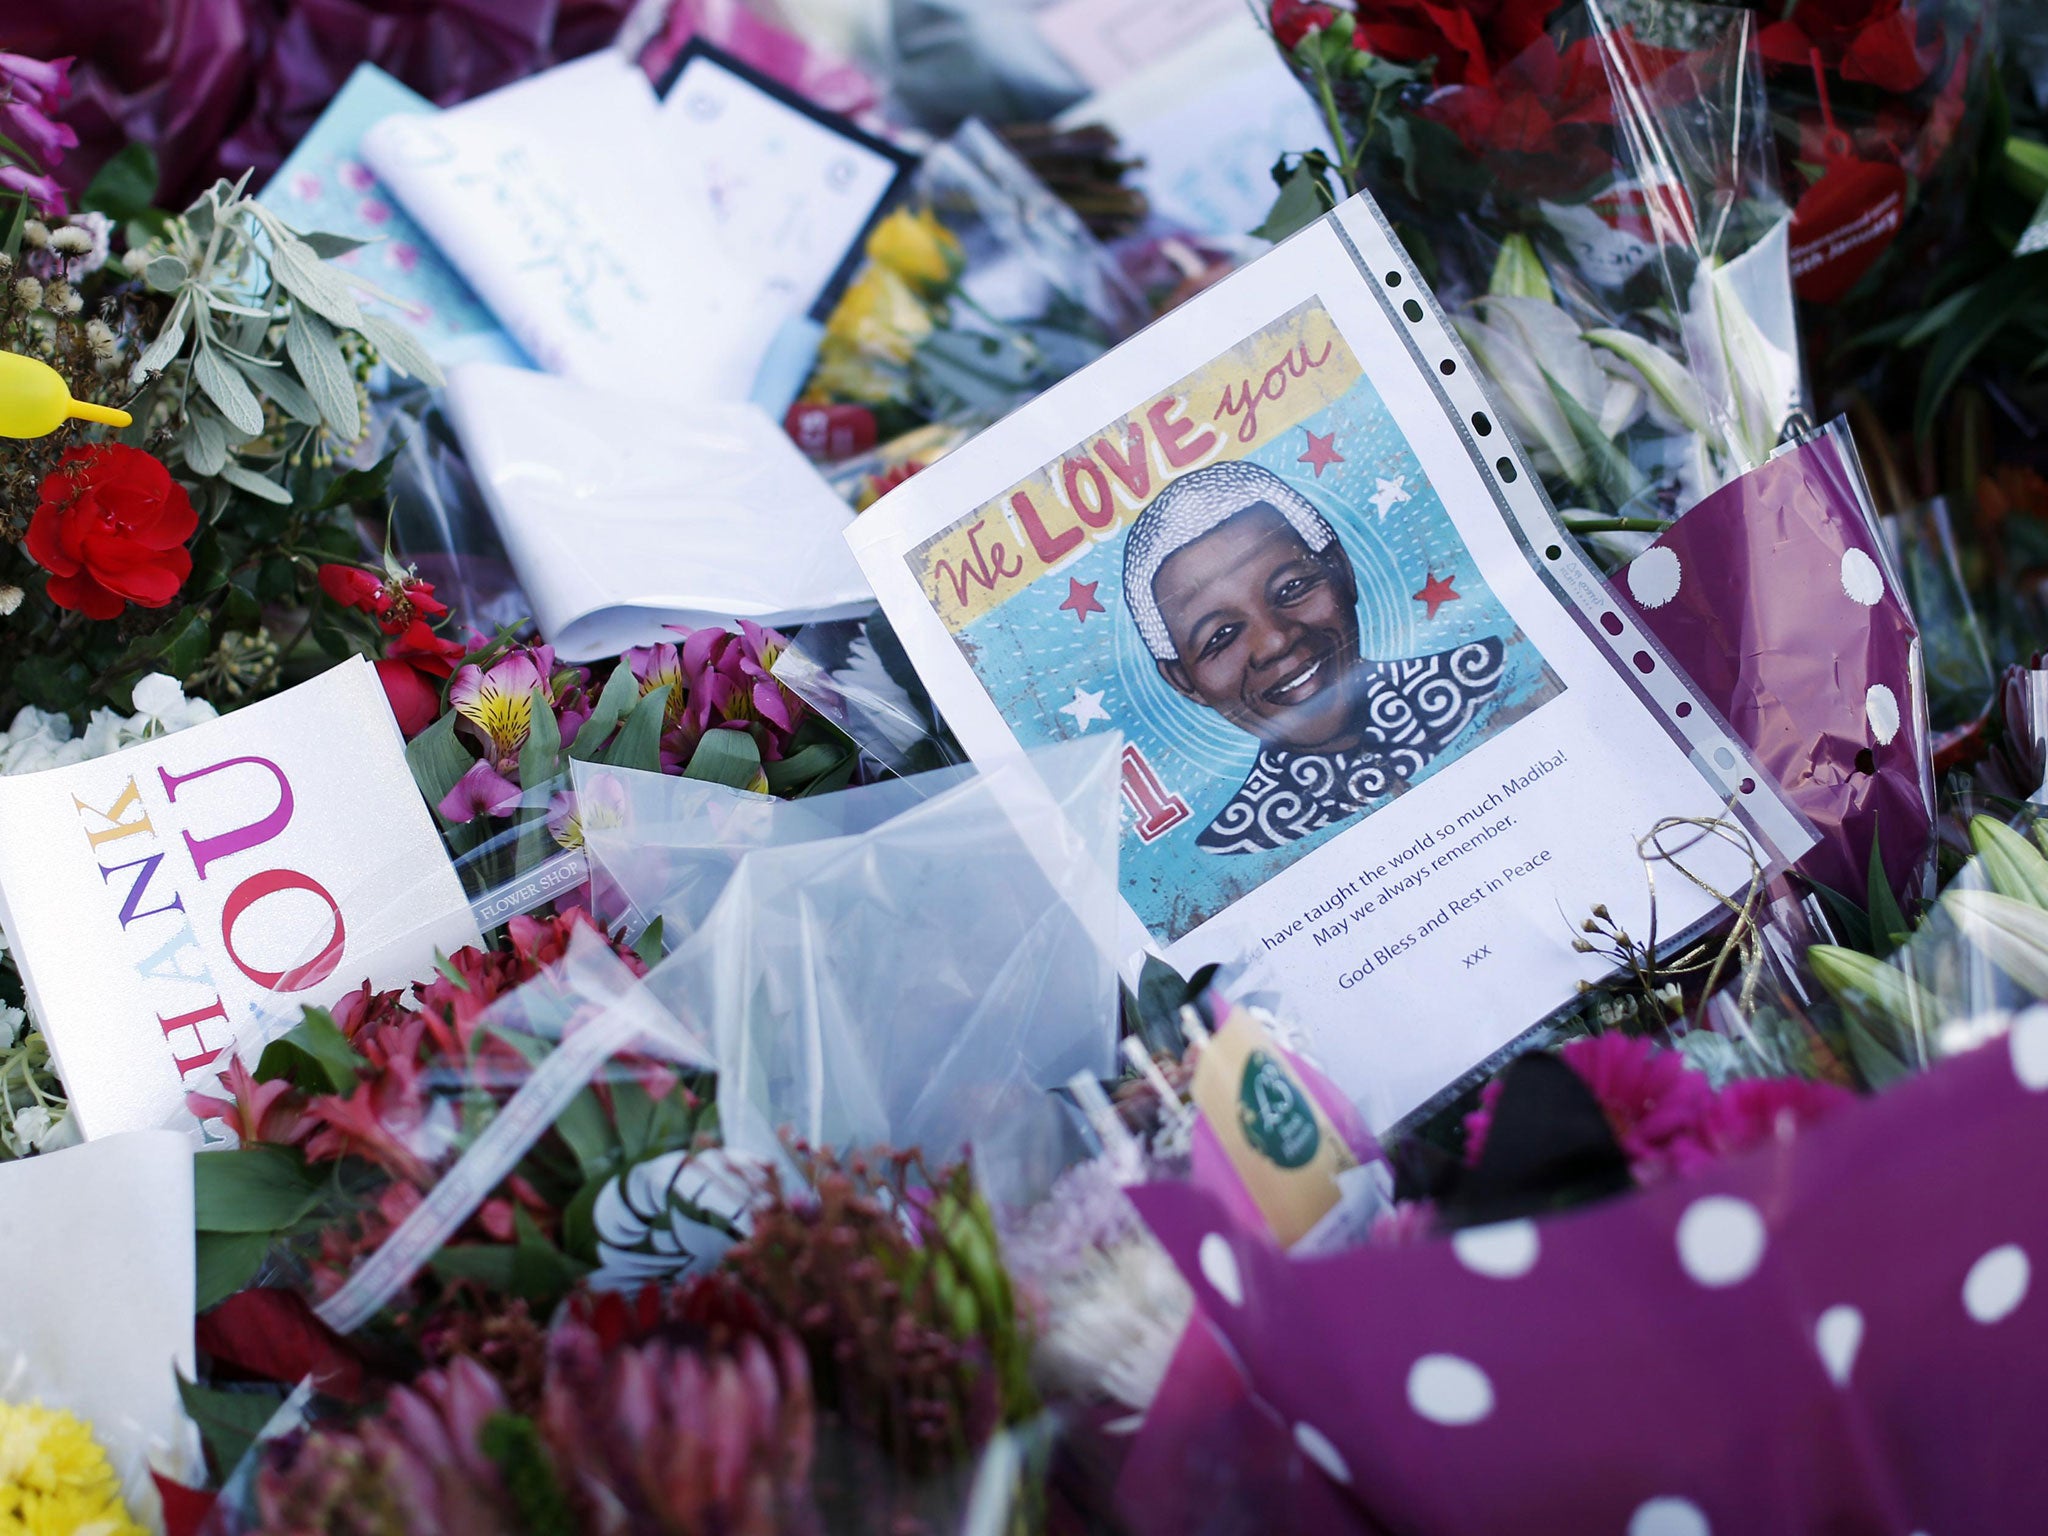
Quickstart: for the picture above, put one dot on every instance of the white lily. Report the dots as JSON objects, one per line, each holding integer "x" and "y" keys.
{"x": 2013, "y": 934}
{"x": 1735, "y": 310}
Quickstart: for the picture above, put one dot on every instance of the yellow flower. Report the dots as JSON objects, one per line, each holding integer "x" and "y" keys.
{"x": 845, "y": 373}
{"x": 879, "y": 314}
{"x": 54, "y": 1478}
{"x": 917, "y": 248}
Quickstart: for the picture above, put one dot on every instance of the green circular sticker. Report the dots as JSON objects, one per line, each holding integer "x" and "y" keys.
{"x": 1277, "y": 1118}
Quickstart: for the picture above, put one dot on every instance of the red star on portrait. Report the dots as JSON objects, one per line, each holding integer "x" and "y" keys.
{"x": 1322, "y": 452}
{"x": 1436, "y": 592}
{"x": 1081, "y": 600}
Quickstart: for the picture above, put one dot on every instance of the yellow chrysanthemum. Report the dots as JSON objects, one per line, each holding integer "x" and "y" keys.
{"x": 55, "y": 1480}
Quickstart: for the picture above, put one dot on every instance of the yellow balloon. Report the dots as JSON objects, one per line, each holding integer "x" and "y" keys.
{"x": 34, "y": 400}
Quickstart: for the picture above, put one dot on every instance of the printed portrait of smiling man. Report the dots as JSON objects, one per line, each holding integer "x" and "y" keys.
{"x": 1249, "y": 606}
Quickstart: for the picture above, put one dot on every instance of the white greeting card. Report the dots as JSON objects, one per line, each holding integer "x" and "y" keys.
{"x": 1386, "y": 740}
{"x": 619, "y": 528}
{"x": 99, "y": 1284}
{"x": 163, "y": 900}
{"x": 653, "y": 245}
{"x": 547, "y": 197}
{"x": 788, "y": 190}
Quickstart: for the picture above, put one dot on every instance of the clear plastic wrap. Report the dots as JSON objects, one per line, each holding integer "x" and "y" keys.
{"x": 884, "y": 966}
{"x": 857, "y": 676}
{"x": 476, "y": 1128}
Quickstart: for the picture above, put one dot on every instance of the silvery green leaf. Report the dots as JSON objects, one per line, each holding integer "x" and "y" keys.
{"x": 291, "y": 396}
{"x": 1666, "y": 375}
{"x": 400, "y": 349}
{"x": 327, "y": 246}
{"x": 168, "y": 343}
{"x": 206, "y": 442}
{"x": 228, "y": 391}
{"x": 310, "y": 281}
{"x": 165, "y": 272}
{"x": 314, "y": 352}
{"x": 256, "y": 485}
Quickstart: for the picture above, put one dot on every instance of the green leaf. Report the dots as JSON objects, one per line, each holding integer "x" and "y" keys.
{"x": 311, "y": 281}
{"x": 2013, "y": 934}
{"x": 802, "y": 766}
{"x": 230, "y": 1420}
{"x": 437, "y": 759}
{"x": 588, "y": 1134}
{"x": 314, "y": 1055}
{"x": 166, "y": 273}
{"x": 1304, "y": 197}
{"x": 1988, "y": 311}
{"x": 541, "y": 758}
{"x": 228, "y": 1262}
{"x": 169, "y": 342}
{"x": 291, "y": 396}
{"x": 205, "y": 442}
{"x": 188, "y": 637}
{"x": 251, "y": 1189}
{"x": 229, "y": 392}
{"x": 262, "y": 487}
{"x": 621, "y": 689}
{"x": 728, "y": 757}
{"x": 1850, "y": 920}
{"x": 2012, "y": 865}
{"x": 649, "y": 948}
{"x": 317, "y": 357}
{"x": 327, "y": 246}
{"x": 541, "y": 1272}
{"x": 1162, "y": 992}
{"x": 125, "y": 186}
{"x": 356, "y": 485}
{"x": 639, "y": 741}
{"x": 1611, "y": 472}
{"x": 1888, "y": 926}
{"x": 400, "y": 350}
{"x": 515, "y": 1447}
{"x": 488, "y": 1264}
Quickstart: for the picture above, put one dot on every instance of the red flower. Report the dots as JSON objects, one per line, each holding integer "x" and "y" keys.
{"x": 433, "y": 654}
{"x": 415, "y": 701}
{"x": 1547, "y": 110}
{"x": 110, "y": 528}
{"x": 1872, "y": 41}
{"x": 353, "y": 588}
{"x": 1293, "y": 20}
{"x": 1469, "y": 40}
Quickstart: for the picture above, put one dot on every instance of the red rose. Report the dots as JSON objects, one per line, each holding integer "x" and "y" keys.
{"x": 415, "y": 701}
{"x": 352, "y": 587}
{"x": 110, "y": 528}
{"x": 1295, "y": 19}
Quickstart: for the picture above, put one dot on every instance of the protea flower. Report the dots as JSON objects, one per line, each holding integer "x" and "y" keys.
{"x": 660, "y": 1438}
{"x": 416, "y": 1469}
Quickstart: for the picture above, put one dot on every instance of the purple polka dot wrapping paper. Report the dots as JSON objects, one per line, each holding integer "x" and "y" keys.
{"x": 1777, "y": 597}
{"x": 1837, "y": 1333}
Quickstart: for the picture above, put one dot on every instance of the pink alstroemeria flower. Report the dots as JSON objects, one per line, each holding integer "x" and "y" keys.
{"x": 251, "y": 1111}
{"x": 43, "y": 83}
{"x": 483, "y": 791}
{"x": 42, "y": 191}
{"x": 732, "y": 684}
{"x": 42, "y": 138}
{"x": 499, "y": 703}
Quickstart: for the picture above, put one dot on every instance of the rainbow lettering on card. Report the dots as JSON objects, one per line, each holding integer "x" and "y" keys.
{"x": 1250, "y": 577}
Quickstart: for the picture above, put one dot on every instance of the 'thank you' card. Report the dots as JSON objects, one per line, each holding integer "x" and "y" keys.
{"x": 1387, "y": 740}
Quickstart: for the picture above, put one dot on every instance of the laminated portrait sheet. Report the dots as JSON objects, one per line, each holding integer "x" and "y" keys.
{"x": 1387, "y": 737}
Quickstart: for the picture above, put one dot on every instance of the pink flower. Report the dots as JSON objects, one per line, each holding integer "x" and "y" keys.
{"x": 45, "y": 140}
{"x": 732, "y": 683}
{"x": 1653, "y": 1102}
{"x": 498, "y": 704}
{"x": 252, "y": 1111}
{"x": 42, "y": 83}
{"x": 1749, "y": 1112}
{"x": 41, "y": 190}
{"x": 483, "y": 791}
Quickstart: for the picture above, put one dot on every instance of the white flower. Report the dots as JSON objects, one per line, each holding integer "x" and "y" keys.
{"x": 100, "y": 337}
{"x": 71, "y": 240}
{"x": 29, "y": 291}
{"x": 28, "y": 1129}
{"x": 106, "y": 732}
{"x": 161, "y": 707}
{"x": 99, "y": 234}
{"x": 135, "y": 258}
{"x": 35, "y": 234}
{"x": 11, "y": 1020}
{"x": 10, "y": 599}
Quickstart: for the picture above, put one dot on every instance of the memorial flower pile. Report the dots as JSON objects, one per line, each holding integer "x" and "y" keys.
{"x": 781, "y": 1040}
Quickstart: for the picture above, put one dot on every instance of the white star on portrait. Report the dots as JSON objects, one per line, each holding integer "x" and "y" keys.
{"x": 1086, "y": 708}
{"x": 1391, "y": 493}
